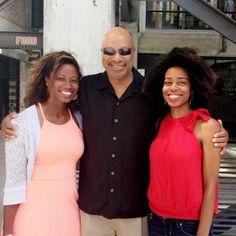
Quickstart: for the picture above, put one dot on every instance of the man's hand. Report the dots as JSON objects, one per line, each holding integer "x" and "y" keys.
{"x": 220, "y": 139}
{"x": 9, "y": 131}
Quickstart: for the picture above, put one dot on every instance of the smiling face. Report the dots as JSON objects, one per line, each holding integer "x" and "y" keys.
{"x": 64, "y": 85}
{"x": 176, "y": 89}
{"x": 118, "y": 66}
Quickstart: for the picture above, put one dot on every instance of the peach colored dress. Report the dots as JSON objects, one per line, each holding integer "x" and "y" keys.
{"x": 51, "y": 200}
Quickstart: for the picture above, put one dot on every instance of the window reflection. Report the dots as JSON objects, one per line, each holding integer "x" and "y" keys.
{"x": 168, "y": 15}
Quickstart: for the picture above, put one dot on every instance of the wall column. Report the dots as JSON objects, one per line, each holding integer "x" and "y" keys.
{"x": 78, "y": 27}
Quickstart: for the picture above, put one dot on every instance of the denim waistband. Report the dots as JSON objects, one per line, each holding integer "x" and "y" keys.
{"x": 159, "y": 225}
{"x": 152, "y": 214}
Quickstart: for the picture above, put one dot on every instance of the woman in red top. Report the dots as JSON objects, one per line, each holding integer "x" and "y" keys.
{"x": 184, "y": 165}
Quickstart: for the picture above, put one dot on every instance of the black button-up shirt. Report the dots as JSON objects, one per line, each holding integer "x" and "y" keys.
{"x": 114, "y": 168}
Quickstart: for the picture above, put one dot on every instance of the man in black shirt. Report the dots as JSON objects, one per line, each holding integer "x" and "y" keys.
{"x": 117, "y": 131}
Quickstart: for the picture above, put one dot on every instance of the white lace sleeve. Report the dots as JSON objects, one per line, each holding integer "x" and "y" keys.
{"x": 16, "y": 164}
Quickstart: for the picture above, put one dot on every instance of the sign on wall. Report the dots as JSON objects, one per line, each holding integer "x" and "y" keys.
{"x": 21, "y": 40}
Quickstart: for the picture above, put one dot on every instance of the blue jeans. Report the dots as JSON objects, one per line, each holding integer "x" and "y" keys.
{"x": 159, "y": 226}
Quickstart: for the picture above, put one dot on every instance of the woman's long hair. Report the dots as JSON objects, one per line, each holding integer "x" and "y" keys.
{"x": 47, "y": 66}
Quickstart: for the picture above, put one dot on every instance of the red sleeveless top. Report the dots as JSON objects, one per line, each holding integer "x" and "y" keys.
{"x": 176, "y": 186}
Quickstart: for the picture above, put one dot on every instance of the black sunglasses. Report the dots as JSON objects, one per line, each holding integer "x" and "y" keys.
{"x": 122, "y": 51}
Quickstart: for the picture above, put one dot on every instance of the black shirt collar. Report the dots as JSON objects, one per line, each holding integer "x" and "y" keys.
{"x": 136, "y": 85}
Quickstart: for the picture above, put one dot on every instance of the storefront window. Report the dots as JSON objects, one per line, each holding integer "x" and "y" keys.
{"x": 224, "y": 101}
{"x": 168, "y": 15}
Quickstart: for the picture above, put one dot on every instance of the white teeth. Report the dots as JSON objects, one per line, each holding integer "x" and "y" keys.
{"x": 174, "y": 96}
{"x": 117, "y": 66}
{"x": 66, "y": 93}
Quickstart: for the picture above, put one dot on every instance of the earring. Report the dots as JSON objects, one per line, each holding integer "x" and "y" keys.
{"x": 191, "y": 100}
{"x": 75, "y": 97}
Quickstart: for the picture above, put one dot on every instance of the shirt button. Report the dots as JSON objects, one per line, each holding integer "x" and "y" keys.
{"x": 112, "y": 190}
{"x": 112, "y": 172}
{"x": 117, "y": 104}
{"x": 113, "y": 155}
{"x": 114, "y": 138}
{"x": 116, "y": 120}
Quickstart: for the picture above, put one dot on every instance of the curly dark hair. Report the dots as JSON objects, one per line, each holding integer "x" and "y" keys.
{"x": 47, "y": 66}
{"x": 202, "y": 80}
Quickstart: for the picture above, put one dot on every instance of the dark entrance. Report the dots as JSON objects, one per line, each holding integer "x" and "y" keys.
{"x": 9, "y": 85}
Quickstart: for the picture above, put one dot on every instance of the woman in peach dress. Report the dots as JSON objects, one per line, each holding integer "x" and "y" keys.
{"x": 40, "y": 194}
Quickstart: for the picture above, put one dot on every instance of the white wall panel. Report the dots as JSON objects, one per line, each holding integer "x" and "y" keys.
{"x": 78, "y": 26}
